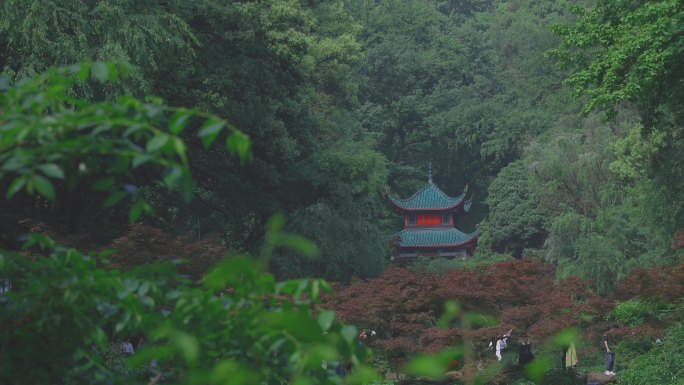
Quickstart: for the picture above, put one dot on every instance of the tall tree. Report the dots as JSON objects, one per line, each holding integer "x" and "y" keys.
{"x": 515, "y": 219}
{"x": 632, "y": 52}
{"x": 598, "y": 226}
{"x": 280, "y": 70}
{"x": 150, "y": 35}
{"x": 461, "y": 84}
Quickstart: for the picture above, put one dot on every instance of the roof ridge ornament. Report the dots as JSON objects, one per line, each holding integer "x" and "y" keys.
{"x": 430, "y": 172}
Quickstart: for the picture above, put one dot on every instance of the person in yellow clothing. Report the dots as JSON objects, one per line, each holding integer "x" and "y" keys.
{"x": 571, "y": 358}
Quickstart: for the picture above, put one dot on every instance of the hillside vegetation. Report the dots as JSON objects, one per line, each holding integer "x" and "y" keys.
{"x": 191, "y": 175}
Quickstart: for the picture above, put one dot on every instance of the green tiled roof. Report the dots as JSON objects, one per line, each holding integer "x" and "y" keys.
{"x": 429, "y": 197}
{"x": 434, "y": 237}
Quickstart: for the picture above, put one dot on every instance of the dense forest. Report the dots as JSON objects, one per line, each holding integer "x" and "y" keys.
{"x": 209, "y": 179}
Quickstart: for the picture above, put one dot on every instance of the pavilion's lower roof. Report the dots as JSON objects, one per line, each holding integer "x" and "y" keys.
{"x": 434, "y": 237}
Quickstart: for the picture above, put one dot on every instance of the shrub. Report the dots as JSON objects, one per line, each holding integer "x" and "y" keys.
{"x": 634, "y": 312}
{"x": 629, "y": 349}
{"x": 240, "y": 326}
{"x": 662, "y": 365}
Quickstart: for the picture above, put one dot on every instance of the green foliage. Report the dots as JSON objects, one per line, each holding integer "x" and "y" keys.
{"x": 522, "y": 381}
{"x": 598, "y": 227}
{"x": 560, "y": 377}
{"x": 433, "y": 366}
{"x": 350, "y": 246}
{"x": 61, "y": 305}
{"x": 631, "y": 348}
{"x": 663, "y": 364}
{"x": 651, "y": 158}
{"x": 280, "y": 70}
{"x": 441, "y": 265}
{"x": 383, "y": 382}
{"x": 341, "y": 98}
{"x": 66, "y": 298}
{"x": 348, "y": 181}
{"x": 636, "y": 152}
{"x": 515, "y": 220}
{"x": 37, "y": 36}
{"x": 635, "y": 312}
{"x": 626, "y": 51}
{"x": 630, "y": 52}
{"x": 289, "y": 87}
{"x": 116, "y": 360}
{"x": 51, "y": 139}
{"x": 241, "y": 326}
{"x": 459, "y": 84}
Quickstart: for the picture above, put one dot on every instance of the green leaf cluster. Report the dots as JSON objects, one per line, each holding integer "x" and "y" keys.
{"x": 66, "y": 303}
{"x": 629, "y": 54}
{"x": 515, "y": 220}
{"x": 240, "y": 326}
{"x": 53, "y": 142}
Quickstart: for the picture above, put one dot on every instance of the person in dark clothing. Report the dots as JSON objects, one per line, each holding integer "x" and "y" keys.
{"x": 341, "y": 370}
{"x": 525, "y": 355}
{"x": 610, "y": 356}
{"x": 564, "y": 351}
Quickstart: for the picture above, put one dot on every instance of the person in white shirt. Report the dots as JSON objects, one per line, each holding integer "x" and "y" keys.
{"x": 501, "y": 344}
{"x": 127, "y": 348}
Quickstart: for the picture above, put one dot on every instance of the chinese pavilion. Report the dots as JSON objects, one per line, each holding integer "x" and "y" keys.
{"x": 429, "y": 217}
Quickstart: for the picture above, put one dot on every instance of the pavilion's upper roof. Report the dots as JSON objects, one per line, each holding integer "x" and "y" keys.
{"x": 429, "y": 197}
{"x": 434, "y": 237}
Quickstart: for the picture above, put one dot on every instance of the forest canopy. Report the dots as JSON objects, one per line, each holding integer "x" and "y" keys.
{"x": 142, "y": 143}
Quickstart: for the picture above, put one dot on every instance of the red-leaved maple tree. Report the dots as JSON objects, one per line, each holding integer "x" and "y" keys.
{"x": 524, "y": 295}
